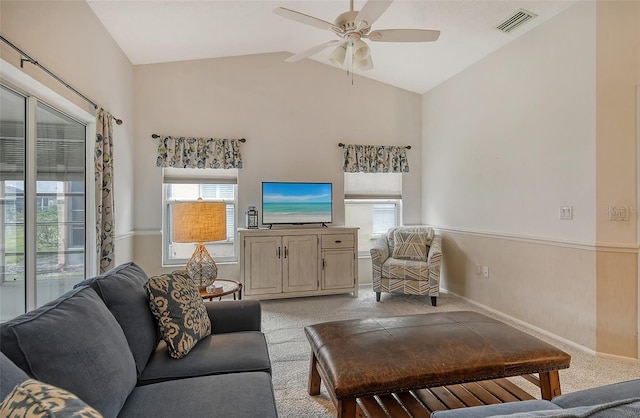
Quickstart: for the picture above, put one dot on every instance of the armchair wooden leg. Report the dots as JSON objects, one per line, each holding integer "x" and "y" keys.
{"x": 433, "y": 300}
{"x": 377, "y": 296}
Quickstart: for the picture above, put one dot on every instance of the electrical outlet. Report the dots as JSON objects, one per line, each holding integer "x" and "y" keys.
{"x": 485, "y": 272}
{"x": 618, "y": 213}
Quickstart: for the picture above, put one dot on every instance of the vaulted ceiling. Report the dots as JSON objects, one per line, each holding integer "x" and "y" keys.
{"x": 150, "y": 31}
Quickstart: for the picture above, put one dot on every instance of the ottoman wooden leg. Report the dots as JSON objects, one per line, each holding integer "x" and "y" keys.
{"x": 347, "y": 408}
{"x": 550, "y": 385}
{"x": 314, "y": 376}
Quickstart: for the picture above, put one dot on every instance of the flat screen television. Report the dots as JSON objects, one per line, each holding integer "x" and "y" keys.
{"x": 296, "y": 203}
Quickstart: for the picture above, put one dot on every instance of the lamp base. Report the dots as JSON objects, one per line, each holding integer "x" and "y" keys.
{"x": 201, "y": 267}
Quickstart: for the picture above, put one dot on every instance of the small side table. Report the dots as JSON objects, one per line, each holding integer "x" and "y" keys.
{"x": 228, "y": 287}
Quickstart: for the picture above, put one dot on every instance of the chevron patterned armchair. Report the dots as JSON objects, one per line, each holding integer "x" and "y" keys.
{"x": 407, "y": 259}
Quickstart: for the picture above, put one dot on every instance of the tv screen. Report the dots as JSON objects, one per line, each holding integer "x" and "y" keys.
{"x": 296, "y": 203}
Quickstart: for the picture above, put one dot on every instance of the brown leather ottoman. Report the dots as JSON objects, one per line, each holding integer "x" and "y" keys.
{"x": 364, "y": 357}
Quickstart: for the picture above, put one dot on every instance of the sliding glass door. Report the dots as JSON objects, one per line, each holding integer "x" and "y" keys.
{"x": 42, "y": 203}
{"x": 12, "y": 223}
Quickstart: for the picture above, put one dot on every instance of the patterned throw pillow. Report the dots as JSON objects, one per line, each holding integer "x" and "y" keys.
{"x": 35, "y": 399}
{"x": 181, "y": 314}
{"x": 410, "y": 246}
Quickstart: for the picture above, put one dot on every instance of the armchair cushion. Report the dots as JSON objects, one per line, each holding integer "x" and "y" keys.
{"x": 410, "y": 245}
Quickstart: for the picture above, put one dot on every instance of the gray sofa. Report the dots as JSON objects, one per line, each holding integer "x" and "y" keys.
{"x": 101, "y": 342}
{"x": 618, "y": 400}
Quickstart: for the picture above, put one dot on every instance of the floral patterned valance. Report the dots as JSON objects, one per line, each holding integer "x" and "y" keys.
{"x": 190, "y": 152}
{"x": 375, "y": 159}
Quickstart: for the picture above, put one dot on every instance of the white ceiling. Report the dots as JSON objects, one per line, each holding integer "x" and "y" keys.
{"x": 152, "y": 31}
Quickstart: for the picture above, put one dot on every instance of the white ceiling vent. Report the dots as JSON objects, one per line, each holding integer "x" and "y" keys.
{"x": 517, "y": 19}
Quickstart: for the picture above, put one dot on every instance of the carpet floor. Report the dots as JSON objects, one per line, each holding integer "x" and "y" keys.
{"x": 284, "y": 319}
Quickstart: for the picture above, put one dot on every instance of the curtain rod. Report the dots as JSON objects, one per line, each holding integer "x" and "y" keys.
{"x": 25, "y": 57}
{"x": 156, "y": 136}
{"x": 341, "y": 145}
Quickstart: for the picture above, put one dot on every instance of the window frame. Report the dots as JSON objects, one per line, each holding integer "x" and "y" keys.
{"x": 36, "y": 93}
{"x": 167, "y": 259}
{"x": 397, "y": 201}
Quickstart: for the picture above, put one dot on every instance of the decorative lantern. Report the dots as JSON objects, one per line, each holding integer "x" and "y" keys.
{"x": 252, "y": 218}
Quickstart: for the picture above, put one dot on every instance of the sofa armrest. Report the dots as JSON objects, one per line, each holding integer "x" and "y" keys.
{"x": 235, "y": 316}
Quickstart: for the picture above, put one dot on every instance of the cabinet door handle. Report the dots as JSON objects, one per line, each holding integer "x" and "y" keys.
{"x": 286, "y": 252}
{"x": 338, "y": 241}
{"x": 278, "y": 252}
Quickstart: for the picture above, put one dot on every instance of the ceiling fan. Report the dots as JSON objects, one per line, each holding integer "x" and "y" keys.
{"x": 352, "y": 27}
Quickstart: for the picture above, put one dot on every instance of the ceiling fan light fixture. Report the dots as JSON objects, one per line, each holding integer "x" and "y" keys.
{"x": 338, "y": 56}
{"x": 363, "y": 65}
{"x": 361, "y": 51}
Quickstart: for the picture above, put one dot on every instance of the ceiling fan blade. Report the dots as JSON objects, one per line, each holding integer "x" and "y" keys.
{"x": 312, "y": 51}
{"x": 371, "y": 11}
{"x": 306, "y": 19}
{"x": 404, "y": 35}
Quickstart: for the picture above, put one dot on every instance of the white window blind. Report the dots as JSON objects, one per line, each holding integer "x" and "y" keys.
{"x": 199, "y": 175}
{"x": 372, "y": 185}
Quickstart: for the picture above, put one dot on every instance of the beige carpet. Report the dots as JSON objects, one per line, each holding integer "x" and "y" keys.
{"x": 284, "y": 319}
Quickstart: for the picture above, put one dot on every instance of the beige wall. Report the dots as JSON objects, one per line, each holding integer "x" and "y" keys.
{"x": 292, "y": 115}
{"x": 67, "y": 38}
{"x": 618, "y": 74}
{"x": 548, "y": 285}
{"x": 548, "y": 121}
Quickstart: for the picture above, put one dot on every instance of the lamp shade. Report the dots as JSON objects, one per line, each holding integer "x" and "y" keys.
{"x": 338, "y": 56}
{"x": 199, "y": 221}
{"x": 360, "y": 51}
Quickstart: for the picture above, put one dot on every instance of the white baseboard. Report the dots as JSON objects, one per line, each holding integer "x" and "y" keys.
{"x": 529, "y": 326}
{"x": 620, "y": 359}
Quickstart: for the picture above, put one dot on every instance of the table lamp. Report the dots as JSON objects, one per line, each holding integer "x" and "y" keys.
{"x": 200, "y": 222}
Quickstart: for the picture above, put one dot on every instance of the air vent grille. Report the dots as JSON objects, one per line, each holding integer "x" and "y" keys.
{"x": 517, "y": 19}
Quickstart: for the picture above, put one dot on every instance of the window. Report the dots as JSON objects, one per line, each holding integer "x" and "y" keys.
{"x": 373, "y": 203}
{"x": 184, "y": 185}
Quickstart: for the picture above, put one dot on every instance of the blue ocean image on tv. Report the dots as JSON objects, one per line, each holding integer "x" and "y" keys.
{"x": 294, "y": 203}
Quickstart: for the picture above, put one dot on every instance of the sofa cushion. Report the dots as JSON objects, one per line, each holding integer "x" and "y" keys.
{"x": 181, "y": 314}
{"x": 35, "y": 399}
{"x": 599, "y": 395}
{"x": 497, "y": 409}
{"x": 625, "y": 408}
{"x": 74, "y": 343}
{"x": 215, "y": 354}
{"x": 122, "y": 290}
{"x": 238, "y": 395}
{"x": 10, "y": 375}
{"x": 410, "y": 246}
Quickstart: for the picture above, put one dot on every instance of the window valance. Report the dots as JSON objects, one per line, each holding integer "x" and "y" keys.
{"x": 375, "y": 159}
{"x": 189, "y": 152}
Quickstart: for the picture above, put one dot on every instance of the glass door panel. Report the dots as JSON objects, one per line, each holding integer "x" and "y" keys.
{"x": 12, "y": 213}
{"x": 60, "y": 203}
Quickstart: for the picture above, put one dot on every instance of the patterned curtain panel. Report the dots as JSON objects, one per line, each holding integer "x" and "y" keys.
{"x": 375, "y": 159}
{"x": 189, "y": 152}
{"x": 105, "y": 227}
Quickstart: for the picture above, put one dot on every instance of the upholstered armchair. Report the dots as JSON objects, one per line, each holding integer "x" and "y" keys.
{"x": 407, "y": 259}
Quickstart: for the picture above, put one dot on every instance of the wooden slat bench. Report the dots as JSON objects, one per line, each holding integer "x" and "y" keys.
{"x": 421, "y": 403}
